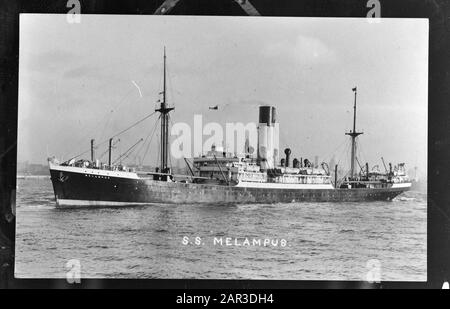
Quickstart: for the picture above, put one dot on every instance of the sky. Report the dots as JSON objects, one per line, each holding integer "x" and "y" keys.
{"x": 95, "y": 78}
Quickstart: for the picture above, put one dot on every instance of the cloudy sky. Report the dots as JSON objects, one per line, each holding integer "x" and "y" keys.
{"x": 93, "y": 79}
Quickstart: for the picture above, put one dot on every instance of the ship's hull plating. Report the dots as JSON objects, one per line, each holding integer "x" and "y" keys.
{"x": 79, "y": 189}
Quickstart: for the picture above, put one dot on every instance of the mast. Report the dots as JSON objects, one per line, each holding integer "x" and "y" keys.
{"x": 353, "y": 135}
{"x": 164, "y": 111}
{"x": 109, "y": 152}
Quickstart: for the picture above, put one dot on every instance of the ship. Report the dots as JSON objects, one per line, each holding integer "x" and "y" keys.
{"x": 221, "y": 177}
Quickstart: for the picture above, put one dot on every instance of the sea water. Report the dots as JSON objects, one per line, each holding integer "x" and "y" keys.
{"x": 297, "y": 241}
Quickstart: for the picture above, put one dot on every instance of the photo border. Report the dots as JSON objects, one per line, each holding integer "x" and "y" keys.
{"x": 438, "y": 201}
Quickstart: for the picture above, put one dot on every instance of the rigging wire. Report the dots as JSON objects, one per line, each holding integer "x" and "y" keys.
{"x": 135, "y": 124}
{"x": 111, "y": 112}
{"x": 158, "y": 148}
{"x": 108, "y": 121}
{"x": 362, "y": 153}
{"x": 130, "y": 150}
{"x": 170, "y": 86}
{"x": 121, "y": 132}
{"x": 359, "y": 156}
{"x": 328, "y": 157}
{"x": 144, "y": 143}
{"x": 105, "y": 116}
{"x": 347, "y": 154}
{"x": 129, "y": 153}
{"x": 346, "y": 151}
{"x": 170, "y": 156}
{"x": 340, "y": 154}
{"x": 107, "y": 149}
{"x": 150, "y": 142}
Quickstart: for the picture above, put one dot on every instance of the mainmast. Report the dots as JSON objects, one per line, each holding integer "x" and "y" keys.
{"x": 164, "y": 110}
{"x": 353, "y": 134}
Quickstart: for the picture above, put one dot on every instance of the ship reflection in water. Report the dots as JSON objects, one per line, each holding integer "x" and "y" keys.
{"x": 325, "y": 241}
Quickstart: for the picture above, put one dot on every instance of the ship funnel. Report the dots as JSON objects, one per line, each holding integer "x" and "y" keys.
{"x": 92, "y": 151}
{"x": 287, "y": 152}
{"x": 267, "y": 137}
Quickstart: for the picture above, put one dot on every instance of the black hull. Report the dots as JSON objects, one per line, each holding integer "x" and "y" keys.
{"x": 79, "y": 189}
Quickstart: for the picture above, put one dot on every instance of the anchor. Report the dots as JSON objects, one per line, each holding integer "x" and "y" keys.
{"x": 62, "y": 178}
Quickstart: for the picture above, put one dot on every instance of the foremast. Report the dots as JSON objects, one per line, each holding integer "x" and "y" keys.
{"x": 164, "y": 110}
{"x": 353, "y": 135}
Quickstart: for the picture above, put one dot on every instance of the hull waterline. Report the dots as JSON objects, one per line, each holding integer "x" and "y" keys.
{"x": 105, "y": 189}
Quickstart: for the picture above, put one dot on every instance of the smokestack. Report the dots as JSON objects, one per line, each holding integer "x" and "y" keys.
{"x": 287, "y": 152}
{"x": 265, "y": 115}
{"x": 316, "y": 161}
{"x": 295, "y": 163}
{"x": 92, "y": 151}
{"x": 367, "y": 170}
{"x": 267, "y": 137}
